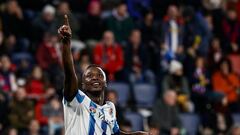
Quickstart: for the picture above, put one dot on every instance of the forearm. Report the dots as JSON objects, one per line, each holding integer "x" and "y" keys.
{"x": 70, "y": 82}
{"x": 67, "y": 59}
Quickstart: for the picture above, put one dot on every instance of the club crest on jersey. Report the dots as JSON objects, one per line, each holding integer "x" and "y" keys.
{"x": 111, "y": 111}
{"x": 92, "y": 110}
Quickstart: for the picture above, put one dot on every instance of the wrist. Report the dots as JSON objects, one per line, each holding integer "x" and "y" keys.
{"x": 65, "y": 40}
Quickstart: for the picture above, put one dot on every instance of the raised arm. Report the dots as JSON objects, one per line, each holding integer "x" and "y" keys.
{"x": 70, "y": 80}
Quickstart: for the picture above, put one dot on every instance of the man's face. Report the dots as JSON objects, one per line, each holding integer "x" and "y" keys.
{"x": 170, "y": 98}
{"x": 172, "y": 11}
{"x": 135, "y": 37}
{"x": 112, "y": 97}
{"x": 94, "y": 80}
{"x": 6, "y": 63}
{"x": 108, "y": 38}
{"x": 122, "y": 10}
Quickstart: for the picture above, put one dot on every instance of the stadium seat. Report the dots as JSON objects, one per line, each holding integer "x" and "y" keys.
{"x": 236, "y": 118}
{"x": 145, "y": 95}
{"x": 135, "y": 119}
{"x": 123, "y": 92}
{"x": 190, "y": 123}
{"x": 18, "y": 57}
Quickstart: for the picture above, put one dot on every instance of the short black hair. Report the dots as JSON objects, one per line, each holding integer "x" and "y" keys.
{"x": 229, "y": 64}
{"x": 88, "y": 67}
{"x": 95, "y": 66}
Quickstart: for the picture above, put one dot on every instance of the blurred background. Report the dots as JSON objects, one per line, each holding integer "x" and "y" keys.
{"x": 173, "y": 66}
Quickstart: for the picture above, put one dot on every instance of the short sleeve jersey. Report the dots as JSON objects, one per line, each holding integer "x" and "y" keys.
{"x": 84, "y": 117}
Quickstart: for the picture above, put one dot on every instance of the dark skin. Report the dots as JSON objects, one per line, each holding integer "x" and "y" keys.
{"x": 93, "y": 79}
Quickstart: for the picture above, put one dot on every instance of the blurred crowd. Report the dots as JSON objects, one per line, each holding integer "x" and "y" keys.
{"x": 188, "y": 49}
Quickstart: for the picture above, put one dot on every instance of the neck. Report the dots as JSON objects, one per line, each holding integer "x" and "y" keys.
{"x": 148, "y": 23}
{"x": 34, "y": 133}
{"x": 96, "y": 96}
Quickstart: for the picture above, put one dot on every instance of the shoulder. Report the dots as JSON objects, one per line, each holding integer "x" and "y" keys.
{"x": 118, "y": 46}
{"x": 234, "y": 76}
{"x": 99, "y": 46}
{"x": 80, "y": 98}
{"x": 216, "y": 74}
{"x": 111, "y": 104}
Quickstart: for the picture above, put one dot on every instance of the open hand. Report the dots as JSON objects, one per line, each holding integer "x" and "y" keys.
{"x": 65, "y": 31}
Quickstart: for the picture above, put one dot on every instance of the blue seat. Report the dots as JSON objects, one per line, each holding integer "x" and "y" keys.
{"x": 18, "y": 57}
{"x": 122, "y": 90}
{"x": 145, "y": 95}
{"x": 135, "y": 119}
{"x": 236, "y": 118}
{"x": 190, "y": 123}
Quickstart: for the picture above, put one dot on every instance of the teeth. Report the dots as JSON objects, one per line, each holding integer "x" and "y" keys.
{"x": 96, "y": 83}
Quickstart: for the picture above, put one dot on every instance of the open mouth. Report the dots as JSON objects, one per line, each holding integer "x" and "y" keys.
{"x": 96, "y": 84}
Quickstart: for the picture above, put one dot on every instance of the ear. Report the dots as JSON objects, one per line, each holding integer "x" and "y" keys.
{"x": 82, "y": 85}
{"x": 105, "y": 84}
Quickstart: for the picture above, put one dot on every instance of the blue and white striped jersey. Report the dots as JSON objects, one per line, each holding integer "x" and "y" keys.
{"x": 84, "y": 117}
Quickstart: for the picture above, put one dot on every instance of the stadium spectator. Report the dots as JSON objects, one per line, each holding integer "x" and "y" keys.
{"x": 12, "y": 131}
{"x": 195, "y": 25}
{"x": 18, "y": 107}
{"x": 47, "y": 53}
{"x": 165, "y": 117}
{"x": 49, "y": 59}
{"x": 120, "y": 23}
{"x": 176, "y": 81}
{"x": 137, "y": 60}
{"x": 9, "y": 45}
{"x": 39, "y": 115}
{"x": 34, "y": 128}
{"x": 226, "y": 82}
{"x": 172, "y": 33}
{"x": 43, "y": 22}
{"x": 54, "y": 113}
{"x": 216, "y": 9}
{"x": 36, "y": 84}
{"x": 109, "y": 55}
{"x": 200, "y": 85}
{"x": 92, "y": 25}
{"x": 215, "y": 54}
{"x": 112, "y": 96}
{"x": 150, "y": 29}
{"x": 7, "y": 76}
{"x": 108, "y": 6}
{"x": 13, "y": 15}
{"x": 151, "y": 36}
{"x": 234, "y": 57}
{"x": 218, "y": 121}
{"x": 231, "y": 27}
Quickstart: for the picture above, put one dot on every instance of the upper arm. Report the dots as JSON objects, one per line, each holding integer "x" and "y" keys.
{"x": 70, "y": 87}
{"x": 79, "y": 98}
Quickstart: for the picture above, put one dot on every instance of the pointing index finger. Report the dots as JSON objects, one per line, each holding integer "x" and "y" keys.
{"x": 66, "y": 20}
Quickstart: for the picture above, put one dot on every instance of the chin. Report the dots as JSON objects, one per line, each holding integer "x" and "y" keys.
{"x": 96, "y": 89}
